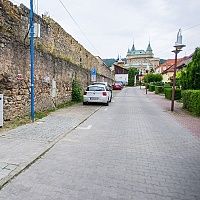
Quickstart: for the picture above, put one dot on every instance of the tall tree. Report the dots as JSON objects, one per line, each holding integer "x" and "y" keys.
{"x": 131, "y": 76}
{"x": 190, "y": 78}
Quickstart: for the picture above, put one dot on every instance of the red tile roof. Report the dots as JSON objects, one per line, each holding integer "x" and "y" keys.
{"x": 185, "y": 60}
{"x": 170, "y": 68}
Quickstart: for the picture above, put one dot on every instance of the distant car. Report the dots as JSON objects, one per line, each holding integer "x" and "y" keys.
{"x": 97, "y": 94}
{"x": 117, "y": 86}
{"x": 109, "y": 87}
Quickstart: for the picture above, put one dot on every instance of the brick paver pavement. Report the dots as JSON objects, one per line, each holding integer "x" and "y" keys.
{"x": 21, "y": 146}
{"x": 132, "y": 149}
{"x": 183, "y": 117}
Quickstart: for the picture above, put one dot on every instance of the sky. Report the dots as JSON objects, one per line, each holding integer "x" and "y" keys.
{"x": 107, "y": 28}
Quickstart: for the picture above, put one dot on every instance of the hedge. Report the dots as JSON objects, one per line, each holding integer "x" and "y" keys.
{"x": 191, "y": 101}
{"x": 158, "y": 89}
{"x": 168, "y": 93}
{"x": 151, "y": 88}
{"x": 167, "y": 85}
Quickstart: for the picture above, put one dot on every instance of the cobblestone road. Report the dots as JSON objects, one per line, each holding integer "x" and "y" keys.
{"x": 132, "y": 149}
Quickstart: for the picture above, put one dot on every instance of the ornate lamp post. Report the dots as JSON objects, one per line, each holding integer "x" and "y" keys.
{"x": 178, "y": 46}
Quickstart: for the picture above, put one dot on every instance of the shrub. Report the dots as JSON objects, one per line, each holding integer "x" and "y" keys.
{"x": 158, "y": 89}
{"x": 146, "y": 85}
{"x": 160, "y": 83}
{"x": 167, "y": 85}
{"x": 76, "y": 91}
{"x": 168, "y": 93}
{"x": 191, "y": 101}
{"x": 177, "y": 94}
{"x": 151, "y": 88}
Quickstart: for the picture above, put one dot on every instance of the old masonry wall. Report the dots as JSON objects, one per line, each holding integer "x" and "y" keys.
{"x": 59, "y": 59}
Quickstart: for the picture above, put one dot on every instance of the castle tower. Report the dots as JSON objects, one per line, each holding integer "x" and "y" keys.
{"x": 133, "y": 47}
{"x": 141, "y": 59}
{"x": 149, "y": 50}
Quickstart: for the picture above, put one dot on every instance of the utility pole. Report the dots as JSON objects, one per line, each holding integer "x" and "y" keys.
{"x": 32, "y": 59}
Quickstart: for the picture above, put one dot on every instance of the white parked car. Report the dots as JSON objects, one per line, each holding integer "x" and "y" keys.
{"x": 109, "y": 87}
{"x": 97, "y": 94}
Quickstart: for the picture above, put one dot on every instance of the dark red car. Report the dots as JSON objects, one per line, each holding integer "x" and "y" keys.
{"x": 117, "y": 86}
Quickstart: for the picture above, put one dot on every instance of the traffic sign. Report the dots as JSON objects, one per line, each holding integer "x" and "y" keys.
{"x": 93, "y": 74}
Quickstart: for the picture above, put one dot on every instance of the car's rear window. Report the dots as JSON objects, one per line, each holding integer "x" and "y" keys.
{"x": 98, "y": 83}
{"x": 95, "y": 88}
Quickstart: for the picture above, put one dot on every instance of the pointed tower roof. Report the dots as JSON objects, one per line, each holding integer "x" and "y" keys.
{"x": 149, "y": 47}
{"x": 133, "y": 47}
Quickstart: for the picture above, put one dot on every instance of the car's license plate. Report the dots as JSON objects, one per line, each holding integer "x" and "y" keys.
{"x": 94, "y": 98}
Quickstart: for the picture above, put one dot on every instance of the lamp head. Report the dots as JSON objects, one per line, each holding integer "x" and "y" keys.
{"x": 178, "y": 44}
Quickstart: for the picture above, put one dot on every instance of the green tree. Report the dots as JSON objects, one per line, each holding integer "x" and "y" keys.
{"x": 131, "y": 76}
{"x": 148, "y": 78}
{"x": 190, "y": 77}
{"x": 158, "y": 77}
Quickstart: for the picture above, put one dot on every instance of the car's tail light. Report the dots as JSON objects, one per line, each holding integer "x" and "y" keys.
{"x": 85, "y": 93}
{"x": 104, "y": 93}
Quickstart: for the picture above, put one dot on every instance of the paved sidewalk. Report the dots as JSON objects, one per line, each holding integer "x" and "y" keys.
{"x": 183, "y": 117}
{"x": 20, "y": 147}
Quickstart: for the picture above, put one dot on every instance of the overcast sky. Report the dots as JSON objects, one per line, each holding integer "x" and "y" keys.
{"x": 112, "y": 25}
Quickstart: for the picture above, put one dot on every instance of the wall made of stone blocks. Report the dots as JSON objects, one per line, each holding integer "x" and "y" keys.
{"x": 53, "y": 38}
{"x": 15, "y": 81}
{"x": 57, "y": 58}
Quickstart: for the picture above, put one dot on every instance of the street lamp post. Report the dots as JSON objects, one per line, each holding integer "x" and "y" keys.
{"x": 140, "y": 77}
{"x": 178, "y": 46}
{"x": 147, "y": 71}
{"x": 146, "y": 84}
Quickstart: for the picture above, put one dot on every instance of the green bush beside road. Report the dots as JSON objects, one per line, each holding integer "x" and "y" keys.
{"x": 151, "y": 88}
{"x": 77, "y": 95}
{"x": 168, "y": 93}
{"x": 158, "y": 89}
{"x": 191, "y": 101}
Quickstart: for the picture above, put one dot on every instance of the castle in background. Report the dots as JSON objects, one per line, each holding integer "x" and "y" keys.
{"x": 142, "y": 60}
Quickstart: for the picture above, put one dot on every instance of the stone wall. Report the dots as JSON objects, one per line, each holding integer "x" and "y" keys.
{"x": 58, "y": 57}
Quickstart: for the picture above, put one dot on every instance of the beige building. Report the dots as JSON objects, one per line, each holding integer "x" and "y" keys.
{"x": 142, "y": 60}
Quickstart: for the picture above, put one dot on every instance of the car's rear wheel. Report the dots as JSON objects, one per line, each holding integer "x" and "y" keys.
{"x": 84, "y": 103}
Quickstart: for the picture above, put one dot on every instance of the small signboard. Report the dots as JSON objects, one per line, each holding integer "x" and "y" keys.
{"x": 36, "y": 30}
{"x": 93, "y": 74}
